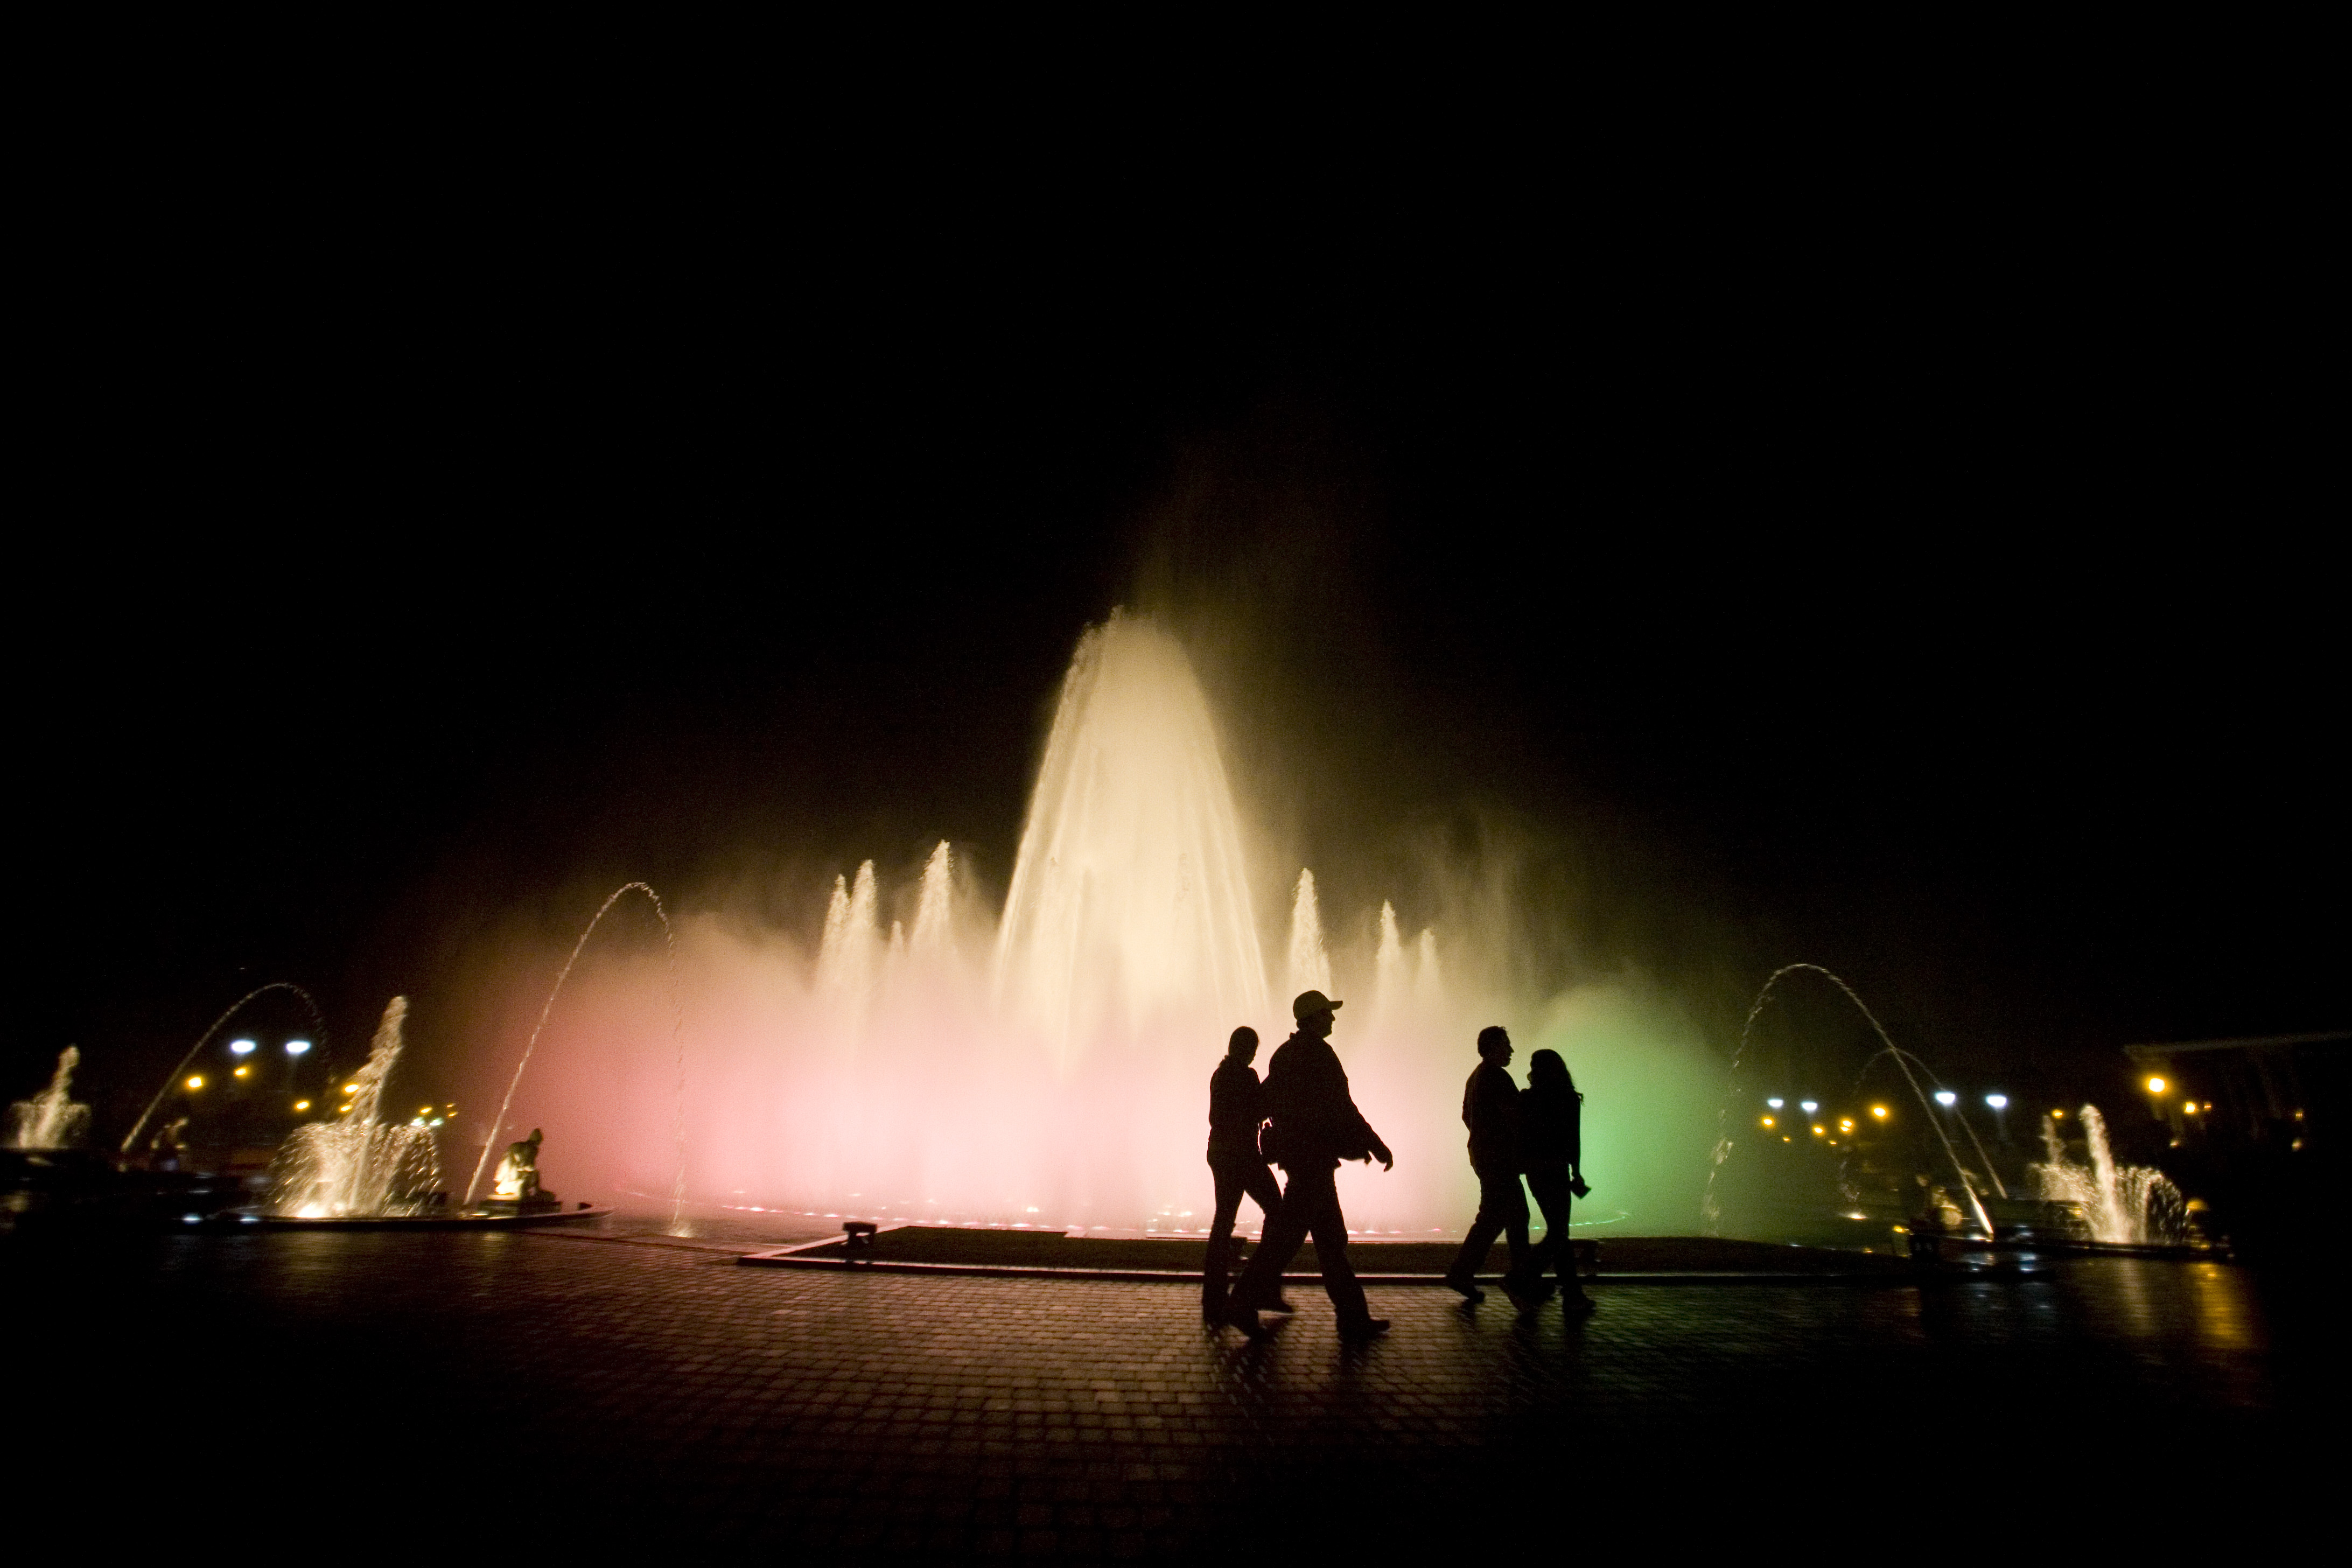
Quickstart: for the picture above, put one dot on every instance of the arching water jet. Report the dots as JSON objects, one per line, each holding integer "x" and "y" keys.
{"x": 677, "y": 1033}
{"x": 1710, "y": 1207}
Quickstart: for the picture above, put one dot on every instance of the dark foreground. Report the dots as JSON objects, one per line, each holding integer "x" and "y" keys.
{"x": 431, "y": 1392}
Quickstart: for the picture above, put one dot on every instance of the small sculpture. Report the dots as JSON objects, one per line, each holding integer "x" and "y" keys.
{"x": 518, "y": 1178}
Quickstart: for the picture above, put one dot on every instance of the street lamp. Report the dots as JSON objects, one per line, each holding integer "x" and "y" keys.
{"x": 1810, "y": 1106}
{"x": 241, "y": 1047}
{"x": 1946, "y": 1098}
{"x": 296, "y": 1048}
{"x": 1999, "y": 1103}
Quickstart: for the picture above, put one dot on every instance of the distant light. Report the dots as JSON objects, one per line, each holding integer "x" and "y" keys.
{"x": 1809, "y": 1106}
{"x": 2057, "y": 1116}
{"x": 1028, "y": 1211}
{"x": 350, "y": 1089}
{"x": 1879, "y": 1112}
{"x": 1774, "y": 1102}
{"x": 1768, "y": 1122}
{"x": 2156, "y": 1085}
{"x": 1819, "y": 1130}
{"x": 435, "y": 1123}
{"x": 343, "y": 1110}
{"x": 1946, "y": 1098}
{"x": 242, "y": 1072}
{"x": 2188, "y": 1107}
{"x": 192, "y": 1219}
{"x": 1998, "y": 1101}
{"x": 197, "y": 1081}
{"x": 301, "y": 1105}
{"x": 241, "y": 1047}
{"x": 296, "y": 1048}
{"x": 249, "y": 1220}
{"x": 1845, "y": 1123}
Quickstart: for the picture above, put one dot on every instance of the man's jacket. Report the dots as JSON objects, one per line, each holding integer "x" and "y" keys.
{"x": 1316, "y": 1121}
{"x": 1490, "y": 1107}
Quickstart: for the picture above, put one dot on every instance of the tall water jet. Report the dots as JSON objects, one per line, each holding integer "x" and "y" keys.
{"x": 357, "y": 1164}
{"x": 1310, "y": 964}
{"x": 1130, "y": 897}
{"x": 678, "y": 1035}
{"x": 2124, "y": 1204}
{"x": 52, "y": 1119}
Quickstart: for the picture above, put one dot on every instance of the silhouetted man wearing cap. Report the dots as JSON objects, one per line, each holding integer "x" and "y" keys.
{"x": 1316, "y": 1125}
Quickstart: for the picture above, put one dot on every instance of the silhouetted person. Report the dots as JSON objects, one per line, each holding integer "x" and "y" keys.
{"x": 1236, "y": 1110}
{"x": 1490, "y": 1108}
{"x": 1552, "y": 1116}
{"x": 1314, "y": 1126}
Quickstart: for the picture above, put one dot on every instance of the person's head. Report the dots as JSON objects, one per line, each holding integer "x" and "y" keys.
{"x": 1312, "y": 1010}
{"x": 1242, "y": 1047}
{"x": 1494, "y": 1044}
{"x": 1548, "y": 1073}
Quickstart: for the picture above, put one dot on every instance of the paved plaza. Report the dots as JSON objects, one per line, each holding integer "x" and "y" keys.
{"x": 557, "y": 1387}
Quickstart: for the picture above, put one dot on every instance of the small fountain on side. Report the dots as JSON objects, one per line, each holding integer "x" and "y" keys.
{"x": 2128, "y": 1205}
{"x": 357, "y": 1166}
{"x": 52, "y": 1119}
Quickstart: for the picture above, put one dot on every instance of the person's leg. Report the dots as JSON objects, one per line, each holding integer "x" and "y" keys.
{"x": 1285, "y": 1231}
{"x": 1330, "y": 1227}
{"x": 1550, "y": 1187}
{"x": 1514, "y": 1199}
{"x": 1231, "y": 1184}
{"x": 1475, "y": 1245}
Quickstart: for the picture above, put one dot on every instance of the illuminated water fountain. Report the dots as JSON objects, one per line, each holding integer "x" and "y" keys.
{"x": 2124, "y": 1204}
{"x": 358, "y": 1164}
{"x": 52, "y": 1119}
{"x": 935, "y": 1056}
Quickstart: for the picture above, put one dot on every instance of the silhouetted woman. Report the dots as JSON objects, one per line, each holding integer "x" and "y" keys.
{"x": 1550, "y": 1136}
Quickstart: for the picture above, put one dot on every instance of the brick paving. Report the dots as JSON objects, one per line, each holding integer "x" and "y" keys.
{"x": 572, "y": 1386}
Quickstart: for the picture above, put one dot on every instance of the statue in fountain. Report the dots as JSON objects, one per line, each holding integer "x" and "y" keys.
{"x": 518, "y": 1178}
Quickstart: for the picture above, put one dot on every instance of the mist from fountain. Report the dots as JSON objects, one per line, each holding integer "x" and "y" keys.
{"x": 2124, "y": 1204}
{"x": 52, "y": 1119}
{"x": 357, "y": 1164}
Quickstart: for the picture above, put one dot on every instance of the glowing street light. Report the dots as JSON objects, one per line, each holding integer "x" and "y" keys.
{"x": 1946, "y": 1098}
{"x": 296, "y": 1048}
{"x": 1999, "y": 1103}
{"x": 1809, "y": 1106}
{"x": 1768, "y": 1122}
{"x": 1879, "y": 1112}
{"x": 301, "y": 1105}
{"x": 2156, "y": 1085}
{"x": 241, "y": 1047}
{"x": 242, "y": 1071}
{"x": 197, "y": 1081}
{"x": 1776, "y": 1102}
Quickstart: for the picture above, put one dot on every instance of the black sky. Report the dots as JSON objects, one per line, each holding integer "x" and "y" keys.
{"x": 1931, "y": 587}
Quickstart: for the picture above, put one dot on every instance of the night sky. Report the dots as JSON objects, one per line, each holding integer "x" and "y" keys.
{"x": 1937, "y": 599}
